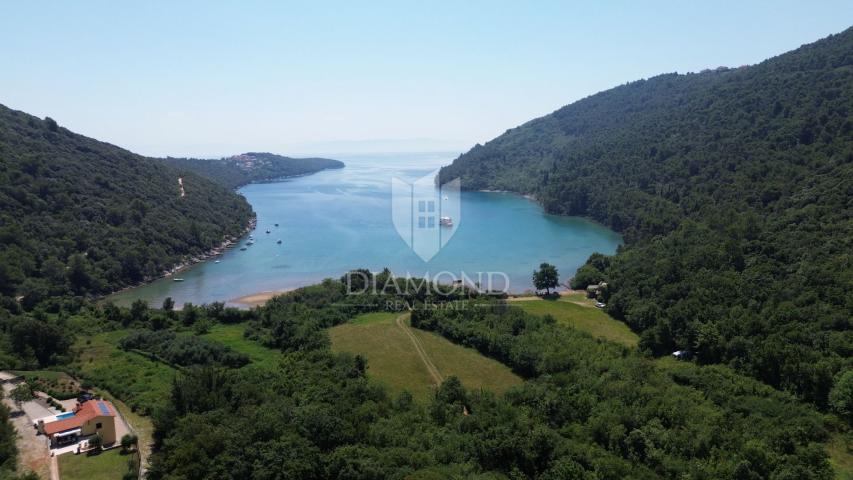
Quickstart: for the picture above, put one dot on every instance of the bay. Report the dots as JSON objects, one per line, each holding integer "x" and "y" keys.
{"x": 337, "y": 220}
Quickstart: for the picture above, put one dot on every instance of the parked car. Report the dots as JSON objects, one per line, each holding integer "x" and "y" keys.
{"x": 84, "y": 397}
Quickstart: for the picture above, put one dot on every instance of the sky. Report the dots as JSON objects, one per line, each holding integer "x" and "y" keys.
{"x": 209, "y": 79}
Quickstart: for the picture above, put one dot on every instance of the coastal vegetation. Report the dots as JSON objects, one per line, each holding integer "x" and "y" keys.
{"x": 239, "y": 170}
{"x": 182, "y": 350}
{"x": 81, "y": 217}
{"x": 546, "y": 278}
{"x": 732, "y": 189}
{"x": 588, "y": 408}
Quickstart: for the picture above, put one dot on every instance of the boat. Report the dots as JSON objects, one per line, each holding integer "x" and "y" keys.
{"x": 445, "y": 221}
{"x": 276, "y": 224}
{"x": 278, "y": 242}
{"x": 177, "y": 279}
{"x": 217, "y": 261}
{"x": 268, "y": 231}
{"x": 243, "y": 249}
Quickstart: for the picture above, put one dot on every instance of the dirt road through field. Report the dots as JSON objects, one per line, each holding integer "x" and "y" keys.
{"x": 419, "y": 348}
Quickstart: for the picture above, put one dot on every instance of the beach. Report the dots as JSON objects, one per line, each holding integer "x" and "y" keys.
{"x": 257, "y": 299}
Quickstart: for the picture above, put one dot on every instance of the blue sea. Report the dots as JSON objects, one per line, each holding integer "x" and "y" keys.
{"x": 337, "y": 220}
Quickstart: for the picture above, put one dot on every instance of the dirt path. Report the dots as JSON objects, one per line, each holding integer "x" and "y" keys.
{"x": 54, "y": 468}
{"x": 437, "y": 378}
{"x": 566, "y": 297}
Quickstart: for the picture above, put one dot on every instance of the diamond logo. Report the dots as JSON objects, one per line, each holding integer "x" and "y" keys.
{"x": 426, "y": 215}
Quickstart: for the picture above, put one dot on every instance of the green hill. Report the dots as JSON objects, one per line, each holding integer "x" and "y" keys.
{"x": 79, "y": 216}
{"x": 733, "y": 189}
{"x": 251, "y": 167}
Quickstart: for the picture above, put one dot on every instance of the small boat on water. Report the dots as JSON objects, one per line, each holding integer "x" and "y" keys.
{"x": 268, "y": 231}
{"x": 177, "y": 279}
{"x": 278, "y": 242}
{"x": 445, "y": 221}
{"x": 217, "y": 261}
{"x": 243, "y": 249}
{"x": 276, "y": 224}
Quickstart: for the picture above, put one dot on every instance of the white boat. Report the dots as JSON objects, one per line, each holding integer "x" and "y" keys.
{"x": 217, "y": 261}
{"x": 445, "y": 221}
{"x": 177, "y": 279}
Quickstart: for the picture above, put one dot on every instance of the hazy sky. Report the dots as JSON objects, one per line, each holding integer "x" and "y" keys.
{"x": 329, "y": 77}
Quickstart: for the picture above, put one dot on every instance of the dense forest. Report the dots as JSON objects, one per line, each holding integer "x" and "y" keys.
{"x": 733, "y": 189}
{"x": 590, "y": 409}
{"x": 239, "y": 170}
{"x": 74, "y": 212}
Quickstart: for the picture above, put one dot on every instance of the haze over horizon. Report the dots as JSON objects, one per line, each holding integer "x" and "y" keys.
{"x": 210, "y": 80}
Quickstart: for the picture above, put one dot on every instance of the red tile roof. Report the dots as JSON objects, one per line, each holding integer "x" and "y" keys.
{"x": 86, "y": 412}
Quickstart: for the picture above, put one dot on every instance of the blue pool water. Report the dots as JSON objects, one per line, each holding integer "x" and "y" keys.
{"x": 65, "y": 415}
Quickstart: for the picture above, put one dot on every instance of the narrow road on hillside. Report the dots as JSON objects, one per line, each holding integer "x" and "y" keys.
{"x": 437, "y": 378}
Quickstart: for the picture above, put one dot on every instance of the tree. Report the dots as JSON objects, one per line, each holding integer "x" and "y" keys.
{"x": 95, "y": 441}
{"x": 39, "y": 341}
{"x": 190, "y": 314}
{"x": 841, "y": 396}
{"x": 128, "y": 440}
{"x": 546, "y": 277}
{"x": 78, "y": 273}
{"x": 139, "y": 310}
{"x": 22, "y": 393}
{"x": 168, "y": 304}
{"x": 586, "y": 275}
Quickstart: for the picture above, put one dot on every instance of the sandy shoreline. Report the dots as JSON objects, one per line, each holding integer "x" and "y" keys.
{"x": 257, "y": 299}
{"x": 260, "y": 298}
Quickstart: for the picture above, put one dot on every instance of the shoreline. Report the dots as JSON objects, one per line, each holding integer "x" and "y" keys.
{"x": 213, "y": 252}
{"x": 227, "y": 243}
{"x": 528, "y": 196}
{"x": 260, "y": 298}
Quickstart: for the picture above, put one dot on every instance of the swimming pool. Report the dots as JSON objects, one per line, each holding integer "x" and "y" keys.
{"x": 65, "y": 415}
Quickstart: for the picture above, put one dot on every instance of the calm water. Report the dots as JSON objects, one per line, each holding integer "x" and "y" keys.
{"x": 337, "y": 220}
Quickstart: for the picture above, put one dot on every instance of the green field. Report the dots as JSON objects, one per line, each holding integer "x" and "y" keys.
{"x": 578, "y": 312}
{"x": 139, "y": 381}
{"x": 109, "y": 465}
{"x": 393, "y": 360}
{"x": 232, "y": 336}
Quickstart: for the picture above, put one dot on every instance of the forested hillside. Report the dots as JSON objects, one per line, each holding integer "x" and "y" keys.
{"x": 588, "y": 410}
{"x": 81, "y": 217}
{"x": 734, "y": 189}
{"x": 251, "y": 167}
